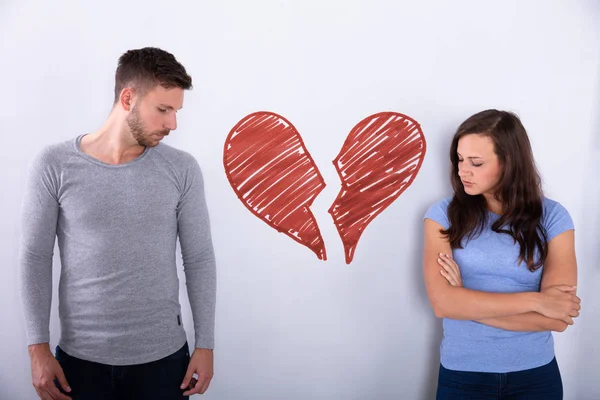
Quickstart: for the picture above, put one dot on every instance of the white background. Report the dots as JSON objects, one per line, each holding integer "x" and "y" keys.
{"x": 288, "y": 325}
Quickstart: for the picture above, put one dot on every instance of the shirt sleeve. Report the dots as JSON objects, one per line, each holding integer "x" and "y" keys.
{"x": 438, "y": 212}
{"x": 198, "y": 255}
{"x": 557, "y": 220}
{"x": 39, "y": 216}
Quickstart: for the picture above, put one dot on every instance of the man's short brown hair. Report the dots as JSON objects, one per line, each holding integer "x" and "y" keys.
{"x": 146, "y": 68}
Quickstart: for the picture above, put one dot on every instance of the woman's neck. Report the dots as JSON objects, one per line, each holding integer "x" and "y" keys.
{"x": 493, "y": 204}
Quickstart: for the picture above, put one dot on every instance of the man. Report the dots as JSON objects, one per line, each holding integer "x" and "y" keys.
{"x": 117, "y": 200}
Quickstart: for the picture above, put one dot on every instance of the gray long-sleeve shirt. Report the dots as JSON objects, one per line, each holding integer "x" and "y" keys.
{"x": 117, "y": 229}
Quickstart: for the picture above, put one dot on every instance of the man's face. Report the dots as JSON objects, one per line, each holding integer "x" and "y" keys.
{"x": 155, "y": 115}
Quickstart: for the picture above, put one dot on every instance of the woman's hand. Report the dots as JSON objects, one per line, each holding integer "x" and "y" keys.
{"x": 450, "y": 270}
{"x": 560, "y": 302}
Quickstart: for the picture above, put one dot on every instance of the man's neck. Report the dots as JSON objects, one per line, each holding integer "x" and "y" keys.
{"x": 113, "y": 143}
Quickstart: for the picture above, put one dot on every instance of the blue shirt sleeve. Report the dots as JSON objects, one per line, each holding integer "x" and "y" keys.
{"x": 556, "y": 219}
{"x": 438, "y": 212}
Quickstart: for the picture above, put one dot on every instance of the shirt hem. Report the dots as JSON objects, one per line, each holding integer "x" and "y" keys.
{"x": 461, "y": 367}
{"x": 147, "y": 358}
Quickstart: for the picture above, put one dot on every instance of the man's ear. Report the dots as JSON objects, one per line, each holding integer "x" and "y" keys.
{"x": 126, "y": 98}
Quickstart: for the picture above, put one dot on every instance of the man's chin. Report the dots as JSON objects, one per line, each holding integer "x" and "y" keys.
{"x": 154, "y": 143}
{"x": 148, "y": 143}
{"x": 151, "y": 140}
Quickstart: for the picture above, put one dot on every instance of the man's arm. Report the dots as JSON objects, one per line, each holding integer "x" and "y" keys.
{"x": 39, "y": 216}
{"x": 200, "y": 271}
{"x": 560, "y": 268}
{"x": 198, "y": 255}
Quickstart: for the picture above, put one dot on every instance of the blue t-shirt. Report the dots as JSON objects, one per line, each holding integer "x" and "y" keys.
{"x": 489, "y": 263}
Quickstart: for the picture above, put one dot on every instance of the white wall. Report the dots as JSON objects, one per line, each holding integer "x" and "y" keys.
{"x": 288, "y": 325}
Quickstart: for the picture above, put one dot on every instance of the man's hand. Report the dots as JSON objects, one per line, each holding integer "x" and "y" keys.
{"x": 201, "y": 364}
{"x": 44, "y": 370}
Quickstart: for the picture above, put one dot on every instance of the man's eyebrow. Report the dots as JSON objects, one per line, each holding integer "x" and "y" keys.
{"x": 169, "y": 107}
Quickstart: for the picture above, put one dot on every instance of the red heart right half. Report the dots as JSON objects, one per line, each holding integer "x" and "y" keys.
{"x": 378, "y": 161}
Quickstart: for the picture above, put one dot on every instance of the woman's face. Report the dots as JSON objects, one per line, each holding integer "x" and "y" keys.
{"x": 478, "y": 166}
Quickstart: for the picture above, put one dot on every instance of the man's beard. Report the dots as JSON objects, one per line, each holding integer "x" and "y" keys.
{"x": 140, "y": 134}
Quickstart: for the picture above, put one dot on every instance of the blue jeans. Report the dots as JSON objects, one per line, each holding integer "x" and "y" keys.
{"x": 151, "y": 381}
{"x": 532, "y": 384}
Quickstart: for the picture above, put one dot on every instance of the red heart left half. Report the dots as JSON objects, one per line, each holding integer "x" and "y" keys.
{"x": 274, "y": 176}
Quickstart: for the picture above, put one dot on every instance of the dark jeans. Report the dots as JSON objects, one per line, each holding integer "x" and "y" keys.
{"x": 155, "y": 380}
{"x": 532, "y": 384}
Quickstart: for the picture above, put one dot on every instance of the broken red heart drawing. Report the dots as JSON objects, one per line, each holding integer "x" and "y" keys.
{"x": 379, "y": 160}
{"x": 273, "y": 174}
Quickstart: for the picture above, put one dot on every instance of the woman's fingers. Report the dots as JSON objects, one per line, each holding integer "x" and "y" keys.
{"x": 448, "y": 277}
{"x": 450, "y": 271}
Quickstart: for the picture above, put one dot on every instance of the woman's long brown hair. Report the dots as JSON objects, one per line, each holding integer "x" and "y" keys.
{"x": 519, "y": 189}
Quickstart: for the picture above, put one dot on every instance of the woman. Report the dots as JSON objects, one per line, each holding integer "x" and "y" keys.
{"x": 499, "y": 266}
